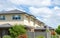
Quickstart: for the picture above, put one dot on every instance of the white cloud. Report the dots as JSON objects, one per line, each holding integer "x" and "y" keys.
{"x": 0, "y": 5}
{"x": 44, "y": 12}
{"x": 37, "y": 3}
{"x": 10, "y": 8}
{"x": 57, "y": 10}
{"x": 49, "y": 16}
{"x": 56, "y": 2}
{"x": 7, "y": 5}
{"x": 58, "y": 14}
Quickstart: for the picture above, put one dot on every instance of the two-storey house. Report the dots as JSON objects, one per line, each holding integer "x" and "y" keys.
{"x": 9, "y": 18}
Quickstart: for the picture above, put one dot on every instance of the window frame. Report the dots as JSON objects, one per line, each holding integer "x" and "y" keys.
{"x": 2, "y": 17}
{"x": 16, "y": 17}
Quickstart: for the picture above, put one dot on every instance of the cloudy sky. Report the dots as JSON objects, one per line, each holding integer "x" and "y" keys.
{"x": 47, "y": 11}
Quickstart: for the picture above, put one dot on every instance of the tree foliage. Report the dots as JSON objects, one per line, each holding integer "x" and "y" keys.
{"x": 17, "y": 30}
{"x": 58, "y": 30}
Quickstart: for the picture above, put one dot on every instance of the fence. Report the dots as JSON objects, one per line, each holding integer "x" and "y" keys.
{"x": 36, "y": 34}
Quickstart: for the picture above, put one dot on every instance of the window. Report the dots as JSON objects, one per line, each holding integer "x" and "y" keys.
{"x": 16, "y": 17}
{"x": 2, "y": 17}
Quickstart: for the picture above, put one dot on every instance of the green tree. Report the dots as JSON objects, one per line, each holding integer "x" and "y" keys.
{"x": 17, "y": 30}
{"x": 58, "y": 30}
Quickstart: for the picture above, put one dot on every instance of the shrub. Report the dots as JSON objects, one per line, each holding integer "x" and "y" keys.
{"x": 17, "y": 30}
{"x": 53, "y": 33}
{"x": 22, "y": 36}
{"x": 6, "y": 36}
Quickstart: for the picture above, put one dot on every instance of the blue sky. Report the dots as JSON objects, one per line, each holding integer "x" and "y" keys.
{"x": 47, "y": 11}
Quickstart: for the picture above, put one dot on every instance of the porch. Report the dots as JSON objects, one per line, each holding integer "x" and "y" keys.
{"x": 4, "y": 29}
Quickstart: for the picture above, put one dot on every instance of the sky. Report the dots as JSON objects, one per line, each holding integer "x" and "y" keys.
{"x": 47, "y": 11}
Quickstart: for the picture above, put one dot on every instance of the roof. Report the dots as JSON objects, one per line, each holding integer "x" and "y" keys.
{"x": 5, "y": 25}
{"x": 45, "y": 27}
{"x": 11, "y": 12}
{"x": 39, "y": 27}
{"x": 49, "y": 27}
{"x": 15, "y": 12}
{"x": 28, "y": 27}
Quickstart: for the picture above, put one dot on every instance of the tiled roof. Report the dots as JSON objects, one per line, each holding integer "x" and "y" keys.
{"x": 49, "y": 27}
{"x": 11, "y": 11}
{"x": 29, "y": 27}
{"x": 15, "y": 12}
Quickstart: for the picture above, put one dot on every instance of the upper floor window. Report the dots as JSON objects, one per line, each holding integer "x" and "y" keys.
{"x": 2, "y": 17}
{"x": 16, "y": 17}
